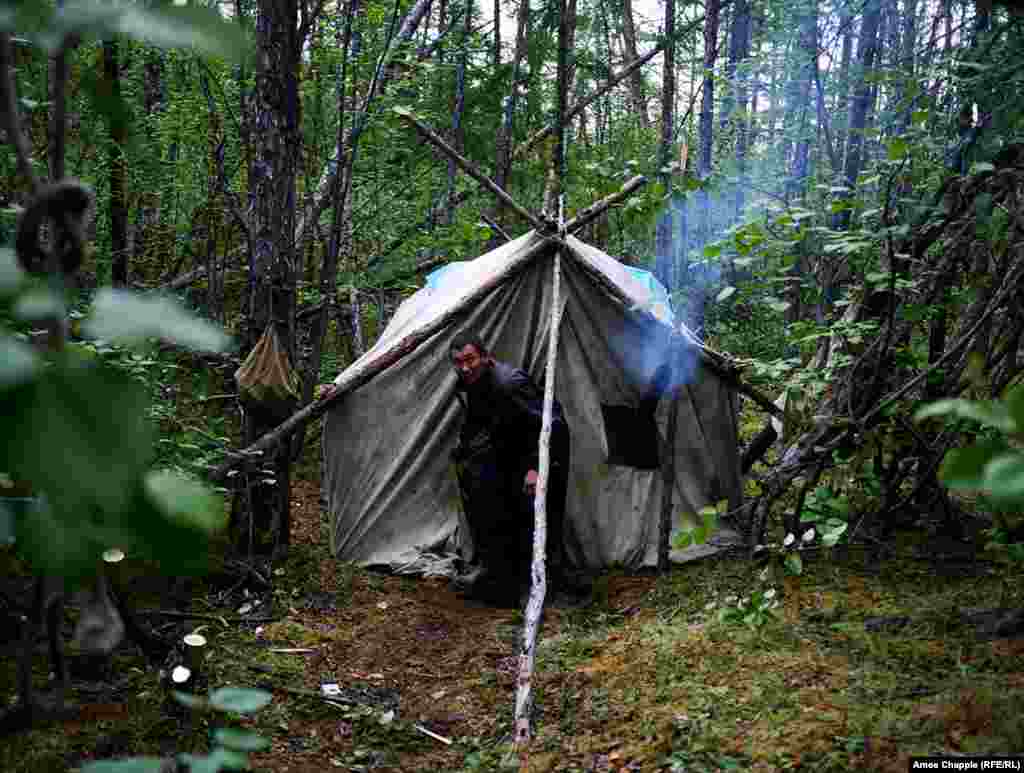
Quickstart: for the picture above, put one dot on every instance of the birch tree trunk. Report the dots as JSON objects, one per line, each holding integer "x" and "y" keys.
{"x": 538, "y": 573}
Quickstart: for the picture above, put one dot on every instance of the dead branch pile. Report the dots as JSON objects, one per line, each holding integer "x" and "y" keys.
{"x": 962, "y": 265}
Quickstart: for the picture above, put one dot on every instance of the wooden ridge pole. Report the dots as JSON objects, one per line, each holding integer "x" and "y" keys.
{"x": 466, "y": 166}
{"x": 595, "y": 210}
{"x": 538, "y": 571}
{"x": 357, "y": 377}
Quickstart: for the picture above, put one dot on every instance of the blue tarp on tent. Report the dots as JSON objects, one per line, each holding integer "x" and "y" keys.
{"x": 448, "y": 274}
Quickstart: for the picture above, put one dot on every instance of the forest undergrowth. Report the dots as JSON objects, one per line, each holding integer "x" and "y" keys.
{"x": 862, "y": 660}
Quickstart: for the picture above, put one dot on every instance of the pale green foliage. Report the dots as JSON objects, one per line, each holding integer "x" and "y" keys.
{"x": 993, "y": 465}
{"x": 707, "y": 518}
{"x": 232, "y": 746}
{"x": 754, "y": 611}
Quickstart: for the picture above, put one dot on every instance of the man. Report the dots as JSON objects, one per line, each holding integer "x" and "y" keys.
{"x": 497, "y": 460}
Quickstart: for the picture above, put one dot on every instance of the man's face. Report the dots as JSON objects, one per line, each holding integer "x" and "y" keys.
{"x": 468, "y": 364}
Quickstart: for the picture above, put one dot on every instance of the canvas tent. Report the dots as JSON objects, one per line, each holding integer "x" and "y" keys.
{"x": 390, "y": 487}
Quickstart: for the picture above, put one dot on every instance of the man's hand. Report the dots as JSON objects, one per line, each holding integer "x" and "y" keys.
{"x": 530, "y": 484}
{"x": 326, "y": 390}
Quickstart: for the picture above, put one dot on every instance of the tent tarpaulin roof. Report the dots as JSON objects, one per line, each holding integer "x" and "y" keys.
{"x": 390, "y": 485}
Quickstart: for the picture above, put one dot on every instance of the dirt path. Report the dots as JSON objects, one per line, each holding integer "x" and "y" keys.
{"x": 449, "y": 662}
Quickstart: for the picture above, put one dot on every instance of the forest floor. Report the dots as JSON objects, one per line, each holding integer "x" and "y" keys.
{"x": 866, "y": 662}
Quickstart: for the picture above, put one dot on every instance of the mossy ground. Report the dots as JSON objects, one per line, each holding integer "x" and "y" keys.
{"x": 642, "y": 677}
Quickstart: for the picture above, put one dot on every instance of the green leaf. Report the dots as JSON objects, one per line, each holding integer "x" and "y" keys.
{"x": 133, "y": 765}
{"x": 18, "y": 363}
{"x": 988, "y": 413}
{"x": 794, "y": 564}
{"x": 240, "y": 740}
{"x": 918, "y": 117}
{"x": 402, "y": 110}
{"x": 897, "y": 148}
{"x": 832, "y": 536}
{"x": 214, "y": 762}
{"x": 184, "y": 501}
{"x": 726, "y": 292}
{"x": 165, "y": 26}
{"x": 778, "y": 306}
{"x": 712, "y": 250}
{"x": 239, "y": 700}
{"x": 38, "y": 306}
{"x": 682, "y": 540}
{"x": 1014, "y": 401}
{"x": 127, "y": 317}
{"x": 963, "y": 468}
{"x": 1004, "y": 478}
{"x": 11, "y": 274}
{"x": 190, "y": 701}
{"x": 91, "y": 418}
{"x": 982, "y": 166}
{"x": 700, "y": 535}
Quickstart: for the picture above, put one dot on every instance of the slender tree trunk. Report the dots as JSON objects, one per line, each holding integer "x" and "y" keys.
{"x": 908, "y": 56}
{"x": 503, "y": 145}
{"x": 339, "y": 243}
{"x": 739, "y": 47}
{"x": 118, "y": 169}
{"x": 58, "y": 123}
{"x": 636, "y": 80}
{"x": 272, "y": 178}
{"x": 867, "y": 48}
{"x": 496, "y": 15}
{"x": 458, "y": 130}
{"x": 739, "y": 54}
{"x": 842, "y": 103}
{"x": 664, "y": 252}
{"x": 800, "y": 98}
{"x": 707, "y": 112}
{"x": 147, "y": 218}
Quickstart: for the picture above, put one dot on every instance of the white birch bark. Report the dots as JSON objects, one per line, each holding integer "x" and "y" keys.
{"x": 538, "y": 585}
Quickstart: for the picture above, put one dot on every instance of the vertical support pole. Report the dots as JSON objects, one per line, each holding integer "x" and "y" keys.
{"x": 538, "y": 572}
{"x": 668, "y": 462}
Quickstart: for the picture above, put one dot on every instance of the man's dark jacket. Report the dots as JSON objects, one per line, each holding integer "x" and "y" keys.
{"x": 498, "y": 444}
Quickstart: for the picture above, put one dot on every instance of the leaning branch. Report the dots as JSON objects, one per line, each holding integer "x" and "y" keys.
{"x": 598, "y": 208}
{"x": 466, "y": 166}
{"x": 524, "y": 148}
{"x": 610, "y": 84}
{"x": 366, "y": 369}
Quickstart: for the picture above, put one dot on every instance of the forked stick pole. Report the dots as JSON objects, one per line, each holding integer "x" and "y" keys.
{"x": 538, "y": 585}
